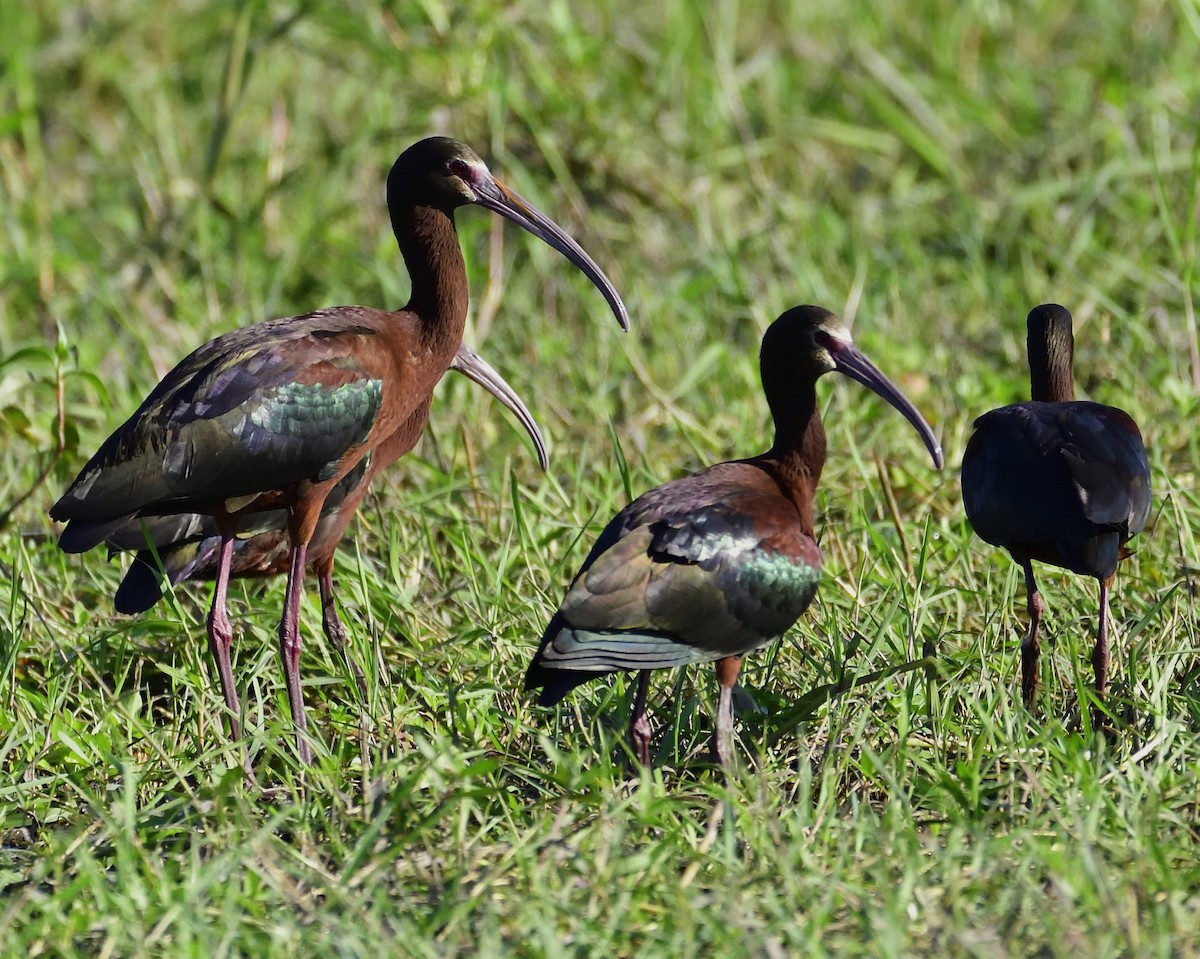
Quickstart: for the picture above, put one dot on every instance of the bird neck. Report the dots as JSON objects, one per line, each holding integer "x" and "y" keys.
{"x": 1050, "y": 374}
{"x": 429, "y": 244}
{"x": 797, "y": 456}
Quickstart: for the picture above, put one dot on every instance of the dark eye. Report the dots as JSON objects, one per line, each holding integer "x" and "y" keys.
{"x": 822, "y": 339}
{"x": 461, "y": 169}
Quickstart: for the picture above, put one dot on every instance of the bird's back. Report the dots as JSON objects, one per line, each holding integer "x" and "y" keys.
{"x": 1066, "y": 483}
{"x": 257, "y": 409}
{"x": 709, "y": 566}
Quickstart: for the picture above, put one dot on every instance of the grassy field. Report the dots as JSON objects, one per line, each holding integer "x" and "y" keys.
{"x": 930, "y": 170}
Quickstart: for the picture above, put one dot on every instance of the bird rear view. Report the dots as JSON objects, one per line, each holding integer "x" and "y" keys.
{"x": 275, "y": 416}
{"x": 1057, "y": 480}
{"x": 715, "y": 565}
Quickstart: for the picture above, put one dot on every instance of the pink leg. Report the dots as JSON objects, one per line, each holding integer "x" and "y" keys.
{"x": 1100, "y": 655}
{"x": 289, "y": 648}
{"x": 1029, "y": 645}
{"x": 639, "y": 725}
{"x": 335, "y": 631}
{"x": 1100, "y": 652}
{"x": 220, "y": 637}
{"x": 722, "y": 744}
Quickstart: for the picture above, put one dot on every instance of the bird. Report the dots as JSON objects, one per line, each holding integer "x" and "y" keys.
{"x": 185, "y": 546}
{"x": 1057, "y": 480}
{"x": 715, "y": 565}
{"x": 276, "y": 415}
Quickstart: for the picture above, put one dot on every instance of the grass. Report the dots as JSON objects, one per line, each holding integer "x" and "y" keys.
{"x": 929, "y": 170}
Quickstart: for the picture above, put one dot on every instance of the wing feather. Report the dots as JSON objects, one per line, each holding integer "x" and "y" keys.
{"x": 252, "y": 411}
{"x": 692, "y": 572}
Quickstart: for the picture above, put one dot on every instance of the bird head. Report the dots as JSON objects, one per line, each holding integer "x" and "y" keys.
{"x": 807, "y": 342}
{"x": 447, "y": 174}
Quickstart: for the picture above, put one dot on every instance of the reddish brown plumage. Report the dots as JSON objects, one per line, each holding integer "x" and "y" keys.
{"x": 276, "y": 415}
{"x": 184, "y": 546}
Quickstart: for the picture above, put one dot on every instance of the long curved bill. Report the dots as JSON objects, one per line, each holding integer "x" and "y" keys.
{"x": 850, "y": 360}
{"x": 495, "y": 196}
{"x": 473, "y": 366}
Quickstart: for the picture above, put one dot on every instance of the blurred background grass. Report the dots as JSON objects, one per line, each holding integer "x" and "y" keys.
{"x": 929, "y": 170}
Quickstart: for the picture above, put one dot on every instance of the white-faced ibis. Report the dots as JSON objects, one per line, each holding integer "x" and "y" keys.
{"x": 186, "y": 546}
{"x": 1059, "y": 480}
{"x": 274, "y": 416}
{"x": 717, "y": 564}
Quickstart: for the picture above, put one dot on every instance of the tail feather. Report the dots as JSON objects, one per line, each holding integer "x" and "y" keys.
{"x": 142, "y": 586}
{"x": 81, "y": 535}
{"x": 555, "y": 683}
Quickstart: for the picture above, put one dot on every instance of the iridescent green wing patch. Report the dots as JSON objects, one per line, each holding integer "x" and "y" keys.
{"x": 310, "y": 422}
{"x": 687, "y": 587}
